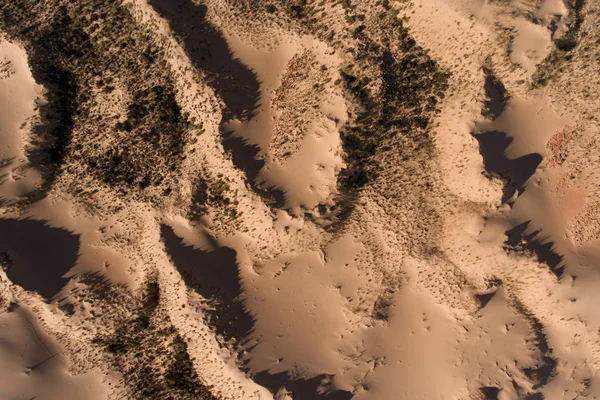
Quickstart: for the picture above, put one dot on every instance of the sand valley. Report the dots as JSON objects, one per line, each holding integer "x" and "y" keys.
{"x": 299, "y": 199}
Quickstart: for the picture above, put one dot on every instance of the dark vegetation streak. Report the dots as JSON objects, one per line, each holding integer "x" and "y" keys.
{"x": 396, "y": 118}
{"x": 153, "y": 355}
{"x": 51, "y": 48}
{"x": 76, "y": 46}
{"x": 412, "y": 87}
{"x": 564, "y": 46}
{"x": 152, "y": 113}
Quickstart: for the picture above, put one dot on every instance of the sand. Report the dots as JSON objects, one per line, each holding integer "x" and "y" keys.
{"x": 19, "y": 98}
{"x": 33, "y": 365}
{"x": 470, "y": 272}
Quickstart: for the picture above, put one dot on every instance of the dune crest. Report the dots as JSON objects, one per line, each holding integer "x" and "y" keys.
{"x": 236, "y": 199}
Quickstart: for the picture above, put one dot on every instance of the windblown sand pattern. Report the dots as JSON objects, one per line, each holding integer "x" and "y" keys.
{"x": 299, "y": 199}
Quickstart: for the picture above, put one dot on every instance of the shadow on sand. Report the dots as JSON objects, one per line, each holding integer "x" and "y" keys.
{"x": 302, "y": 389}
{"x": 214, "y": 275}
{"x": 539, "y": 245}
{"x": 492, "y": 147}
{"x": 37, "y": 256}
{"x": 208, "y": 50}
{"x": 231, "y": 80}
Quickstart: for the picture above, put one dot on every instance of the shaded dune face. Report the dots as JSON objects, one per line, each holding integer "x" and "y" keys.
{"x": 36, "y": 256}
{"x": 214, "y": 275}
{"x": 539, "y": 244}
{"x": 231, "y": 80}
{"x": 492, "y": 146}
{"x": 497, "y": 96}
{"x": 303, "y": 389}
{"x": 208, "y": 50}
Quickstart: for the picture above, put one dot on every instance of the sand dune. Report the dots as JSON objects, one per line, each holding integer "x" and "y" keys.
{"x": 18, "y": 96}
{"x": 299, "y": 200}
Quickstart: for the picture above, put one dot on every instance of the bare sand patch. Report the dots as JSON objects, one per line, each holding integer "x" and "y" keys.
{"x": 19, "y": 95}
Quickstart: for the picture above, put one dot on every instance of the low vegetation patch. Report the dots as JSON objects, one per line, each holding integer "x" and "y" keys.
{"x": 564, "y": 46}
{"x": 152, "y": 354}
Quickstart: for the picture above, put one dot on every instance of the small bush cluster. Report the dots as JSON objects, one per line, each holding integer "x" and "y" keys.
{"x": 161, "y": 133}
{"x": 564, "y": 45}
{"x": 82, "y": 50}
{"x": 411, "y": 86}
{"x": 153, "y": 355}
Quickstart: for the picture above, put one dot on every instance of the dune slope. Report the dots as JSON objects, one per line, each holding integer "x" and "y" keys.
{"x": 239, "y": 199}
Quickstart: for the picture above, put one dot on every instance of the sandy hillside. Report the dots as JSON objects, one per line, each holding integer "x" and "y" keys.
{"x": 241, "y": 199}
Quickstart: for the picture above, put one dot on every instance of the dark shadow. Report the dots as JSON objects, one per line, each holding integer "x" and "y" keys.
{"x": 47, "y": 150}
{"x": 535, "y": 396}
{"x": 543, "y": 372}
{"x": 302, "y": 389}
{"x": 243, "y": 154}
{"x": 245, "y": 157}
{"x": 214, "y": 275}
{"x": 339, "y": 214}
{"x": 231, "y": 80}
{"x": 39, "y": 254}
{"x": 484, "y": 298}
{"x": 51, "y": 47}
{"x": 539, "y": 245}
{"x": 493, "y": 144}
{"x": 208, "y": 50}
{"x": 492, "y": 147}
{"x": 490, "y": 392}
{"x": 497, "y": 96}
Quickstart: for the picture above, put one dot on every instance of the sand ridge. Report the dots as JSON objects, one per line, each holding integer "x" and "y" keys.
{"x": 459, "y": 263}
